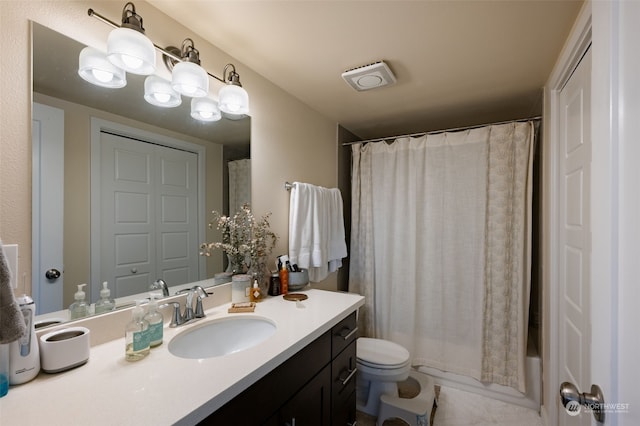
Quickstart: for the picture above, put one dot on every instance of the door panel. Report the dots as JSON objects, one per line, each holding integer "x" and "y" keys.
{"x": 574, "y": 235}
{"x": 48, "y": 206}
{"x": 127, "y": 215}
{"x": 177, "y": 224}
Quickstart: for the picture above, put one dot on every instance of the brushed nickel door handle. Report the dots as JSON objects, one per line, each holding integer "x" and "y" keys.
{"x": 572, "y": 400}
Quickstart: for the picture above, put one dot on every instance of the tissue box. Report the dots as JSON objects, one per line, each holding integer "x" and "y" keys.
{"x": 64, "y": 349}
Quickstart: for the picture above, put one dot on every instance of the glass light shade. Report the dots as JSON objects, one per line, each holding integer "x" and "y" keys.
{"x": 158, "y": 91}
{"x": 132, "y": 51}
{"x": 233, "y": 100}
{"x": 205, "y": 109}
{"x": 96, "y": 69}
{"x": 190, "y": 79}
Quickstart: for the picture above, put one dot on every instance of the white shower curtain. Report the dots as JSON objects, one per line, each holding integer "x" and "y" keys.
{"x": 440, "y": 247}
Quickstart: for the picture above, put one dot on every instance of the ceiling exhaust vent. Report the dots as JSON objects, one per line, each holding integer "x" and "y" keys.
{"x": 369, "y": 77}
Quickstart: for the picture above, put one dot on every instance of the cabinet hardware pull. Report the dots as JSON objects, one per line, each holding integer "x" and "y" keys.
{"x": 351, "y": 373}
{"x": 349, "y": 333}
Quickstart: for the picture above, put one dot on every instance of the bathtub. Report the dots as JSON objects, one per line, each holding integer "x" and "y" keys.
{"x": 530, "y": 399}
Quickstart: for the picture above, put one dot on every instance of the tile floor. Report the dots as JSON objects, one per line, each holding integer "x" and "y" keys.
{"x": 459, "y": 408}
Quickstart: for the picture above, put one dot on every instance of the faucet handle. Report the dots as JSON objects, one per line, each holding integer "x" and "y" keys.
{"x": 199, "y": 310}
{"x": 201, "y": 293}
{"x": 176, "y": 318}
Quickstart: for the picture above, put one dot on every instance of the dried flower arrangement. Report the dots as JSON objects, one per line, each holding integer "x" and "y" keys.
{"x": 246, "y": 241}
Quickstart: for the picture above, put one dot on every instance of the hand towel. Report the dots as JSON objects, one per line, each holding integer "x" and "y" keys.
{"x": 301, "y": 230}
{"x": 337, "y": 246}
{"x": 12, "y": 325}
{"x": 316, "y": 230}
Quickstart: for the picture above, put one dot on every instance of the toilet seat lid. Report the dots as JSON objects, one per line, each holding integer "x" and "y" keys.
{"x": 381, "y": 353}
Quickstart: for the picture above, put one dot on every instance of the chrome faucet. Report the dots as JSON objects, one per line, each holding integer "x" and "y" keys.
{"x": 160, "y": 284}
{"x": 188, "y": 306}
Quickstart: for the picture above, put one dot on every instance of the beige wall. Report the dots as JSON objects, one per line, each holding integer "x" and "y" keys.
{"x": 290, "y": 141}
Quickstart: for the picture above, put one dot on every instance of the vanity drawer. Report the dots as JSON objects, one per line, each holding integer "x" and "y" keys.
{"x": 343, "y": 376}
{"x": 343, "y": 334}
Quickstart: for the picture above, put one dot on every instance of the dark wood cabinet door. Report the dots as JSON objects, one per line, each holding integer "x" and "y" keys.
{"x": 311, "y": 406}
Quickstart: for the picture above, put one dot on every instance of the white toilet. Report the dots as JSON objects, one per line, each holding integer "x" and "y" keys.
{"x": 381, "y": 365}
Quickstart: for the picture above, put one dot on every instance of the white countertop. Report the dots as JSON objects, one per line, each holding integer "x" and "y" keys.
{"x": 163, "y": 389}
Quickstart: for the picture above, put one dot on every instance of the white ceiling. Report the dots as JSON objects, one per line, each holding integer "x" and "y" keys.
{"x": 457, "y": 62}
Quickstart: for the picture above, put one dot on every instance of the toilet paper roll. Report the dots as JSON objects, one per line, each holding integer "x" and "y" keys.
{"x": 64, "y": 349}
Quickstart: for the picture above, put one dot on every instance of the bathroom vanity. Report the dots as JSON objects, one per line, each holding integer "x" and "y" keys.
{"x": 316, "y": 386}
{"x": 306, "y": 369}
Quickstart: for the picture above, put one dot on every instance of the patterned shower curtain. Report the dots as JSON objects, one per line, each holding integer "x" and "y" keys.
{"x": 441, "y": 244}
{"x": 239, "y": 184}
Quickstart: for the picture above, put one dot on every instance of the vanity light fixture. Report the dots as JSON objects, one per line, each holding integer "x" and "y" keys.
{"x": 158, "y": 92}
{"x": 95, "y": 68}
{"x": 127, "y": 46}
{"x": 232, "y": 98}
{"x": 187, "y": 76}
{"x": 205, "y": 109}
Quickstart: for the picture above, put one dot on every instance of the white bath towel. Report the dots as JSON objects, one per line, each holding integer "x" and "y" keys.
{"x": 316, "y": 230}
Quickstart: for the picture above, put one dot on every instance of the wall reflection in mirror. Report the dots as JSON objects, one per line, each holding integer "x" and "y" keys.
{"x": 126, "y": 194}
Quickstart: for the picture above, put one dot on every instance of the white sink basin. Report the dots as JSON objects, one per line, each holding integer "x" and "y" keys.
{"x": 221, "y": 337}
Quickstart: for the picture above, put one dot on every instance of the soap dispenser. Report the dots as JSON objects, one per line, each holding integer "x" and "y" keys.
{"x": 256, "y": 294}
{"x": 105, "y": 303}
{"x": 155, "y": 320}
{"x": 137, "y": 335}
{"x": 79, "y": 308}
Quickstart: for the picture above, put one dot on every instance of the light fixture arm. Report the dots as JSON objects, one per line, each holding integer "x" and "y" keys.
{"x": 189, "y": 52}
{"x": 174, "y": 55}
{"x": 130, "y": 19}
{"x": 233, "y": 77}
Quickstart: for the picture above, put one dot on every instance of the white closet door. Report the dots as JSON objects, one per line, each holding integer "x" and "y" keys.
{"x": 128, "y": 260}
{"x": 149, "y": 202}
{"x": 177, "y": 222}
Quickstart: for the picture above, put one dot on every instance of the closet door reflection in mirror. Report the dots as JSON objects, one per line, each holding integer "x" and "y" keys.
{"x": 149, "y": 225}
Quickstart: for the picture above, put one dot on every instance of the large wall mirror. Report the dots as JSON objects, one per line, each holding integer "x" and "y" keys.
{"x": 102, "y": 127}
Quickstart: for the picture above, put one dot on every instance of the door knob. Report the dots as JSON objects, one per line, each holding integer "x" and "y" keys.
{"x": 572, "y": 399}
{"x": 52, "y": 274}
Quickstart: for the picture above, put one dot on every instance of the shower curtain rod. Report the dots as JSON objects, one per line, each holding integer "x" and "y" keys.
{"x": 434, "y": 132}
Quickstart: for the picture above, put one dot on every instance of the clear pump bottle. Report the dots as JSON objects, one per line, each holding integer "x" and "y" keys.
{"x": 79, "y": 308}
{"x": 155, "y": 320}
{"x": 137, "y": 335}
{"x": 105, "y": 303}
